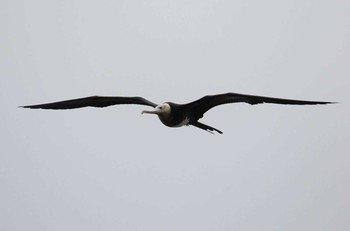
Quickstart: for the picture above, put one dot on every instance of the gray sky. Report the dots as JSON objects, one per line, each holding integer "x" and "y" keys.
{"x": 275, "y": 167}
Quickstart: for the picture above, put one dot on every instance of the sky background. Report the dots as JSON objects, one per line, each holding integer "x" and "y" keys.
{"x": 276, "y": 167}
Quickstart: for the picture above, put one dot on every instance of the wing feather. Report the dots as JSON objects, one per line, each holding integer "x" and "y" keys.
{"x": 202, "y": 105}
{"x": 93, "y": 101}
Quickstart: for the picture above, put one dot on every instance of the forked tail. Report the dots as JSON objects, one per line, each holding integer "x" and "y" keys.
{"x": 205, "y": 127}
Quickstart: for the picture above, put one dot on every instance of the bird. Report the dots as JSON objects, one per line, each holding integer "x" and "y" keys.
{"x": 173, "y": 114}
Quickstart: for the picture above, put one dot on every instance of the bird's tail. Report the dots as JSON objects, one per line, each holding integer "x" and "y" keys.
{"x": 205, "y": 127}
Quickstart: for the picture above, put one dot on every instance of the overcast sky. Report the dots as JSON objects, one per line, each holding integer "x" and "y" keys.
{"x": 275, "y": 167}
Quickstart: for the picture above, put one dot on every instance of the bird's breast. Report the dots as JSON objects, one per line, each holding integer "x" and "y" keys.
{"x": 183, "y": 122}
{"x": 173, "y": 122}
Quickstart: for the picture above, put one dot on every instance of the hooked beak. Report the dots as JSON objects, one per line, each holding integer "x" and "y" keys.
{"x": 155, "y": 111}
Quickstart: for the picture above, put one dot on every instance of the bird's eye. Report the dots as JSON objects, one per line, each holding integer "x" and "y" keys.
{"x": 160, "y": 107}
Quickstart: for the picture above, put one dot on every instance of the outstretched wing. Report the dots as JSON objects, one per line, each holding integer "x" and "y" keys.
{"x": 93, "y": 101}
{"x": 200, "y": 106}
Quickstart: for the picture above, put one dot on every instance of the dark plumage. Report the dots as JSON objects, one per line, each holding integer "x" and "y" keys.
{"x": 171, "y": 114}
{"x": 93, "y": 101}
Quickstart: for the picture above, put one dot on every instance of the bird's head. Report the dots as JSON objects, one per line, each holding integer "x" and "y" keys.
{"x": 161, "y": 109}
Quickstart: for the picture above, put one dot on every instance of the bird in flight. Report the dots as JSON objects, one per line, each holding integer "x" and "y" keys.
{"x": 172, "y": 114}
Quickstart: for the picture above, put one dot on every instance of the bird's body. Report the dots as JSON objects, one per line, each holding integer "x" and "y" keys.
{"x": 172, "y": 114}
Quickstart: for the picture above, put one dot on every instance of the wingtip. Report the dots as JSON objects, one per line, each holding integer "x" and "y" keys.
{"x": 31, "y": 107}
{"x": 322, "y": 102}
{"x": 330, "y": 102}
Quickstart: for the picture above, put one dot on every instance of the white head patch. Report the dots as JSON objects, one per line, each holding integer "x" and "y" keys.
{"x": 164, "y": 108}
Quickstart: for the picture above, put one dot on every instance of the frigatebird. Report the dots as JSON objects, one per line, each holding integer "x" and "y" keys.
{"x": 172, "y": 114}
